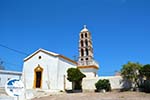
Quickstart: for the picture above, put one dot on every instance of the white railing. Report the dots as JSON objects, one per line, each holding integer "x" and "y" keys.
{"x": 87, "y": 63}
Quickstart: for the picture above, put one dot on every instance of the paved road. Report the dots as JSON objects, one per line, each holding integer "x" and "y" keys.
{"x": 99, "y": 96}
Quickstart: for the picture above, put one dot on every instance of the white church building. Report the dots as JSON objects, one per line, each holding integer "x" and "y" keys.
{"x": 46, "y": 70}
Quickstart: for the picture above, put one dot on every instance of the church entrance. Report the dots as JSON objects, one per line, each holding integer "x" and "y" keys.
{"x": 38, "y": 77}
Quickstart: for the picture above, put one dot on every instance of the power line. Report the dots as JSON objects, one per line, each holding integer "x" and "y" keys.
{"x": 20, "y": 52}
{"x": 9, "y": 63}
{"x": 14, "y": 50}
{"x": 2, "y": 62}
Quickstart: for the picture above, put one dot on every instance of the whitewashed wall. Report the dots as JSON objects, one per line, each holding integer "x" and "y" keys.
{"x": 5, "y": 75}
{"x": 88, "y": 84}
{"x": 89, "y": 72}
{"x": 63, "y": 66}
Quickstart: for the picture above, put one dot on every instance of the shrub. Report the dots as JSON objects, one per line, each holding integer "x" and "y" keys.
{"x": 103, "y": 84}
{"x": 147, "y": 86}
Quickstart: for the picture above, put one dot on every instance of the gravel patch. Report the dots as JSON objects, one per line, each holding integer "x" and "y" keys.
{"x": 99, "y": 96}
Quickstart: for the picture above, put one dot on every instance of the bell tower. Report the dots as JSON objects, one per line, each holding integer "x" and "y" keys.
{"x": 86, "y": 62}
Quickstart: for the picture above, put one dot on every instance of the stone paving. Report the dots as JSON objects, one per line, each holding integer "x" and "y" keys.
{"x": 99, "y": 96}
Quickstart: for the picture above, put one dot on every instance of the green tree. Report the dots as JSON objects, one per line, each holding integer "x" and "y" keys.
{"x": 75, "y": 76}
{"x": 130, "y": 72}
{"x": 145, "y": 71}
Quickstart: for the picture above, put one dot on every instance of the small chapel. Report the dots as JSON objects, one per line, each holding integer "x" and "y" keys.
{"x": 47, "y": 71}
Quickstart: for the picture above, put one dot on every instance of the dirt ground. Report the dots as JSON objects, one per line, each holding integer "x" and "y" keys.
{"x": 99, "y": 96}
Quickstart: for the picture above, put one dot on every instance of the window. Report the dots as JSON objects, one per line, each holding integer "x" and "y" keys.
{"x": 81, "y": 35}
{"x": 85, "y": 34}
{"x": 40, "y": 57}
{"x": 82, "y": 43}
{"x": 82, "y": 52}
{"x": 87, "y": 52}
{"x": 86, "y": 42}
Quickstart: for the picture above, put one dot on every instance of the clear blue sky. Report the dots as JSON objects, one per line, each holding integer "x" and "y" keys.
{"x": 120, "y": 30}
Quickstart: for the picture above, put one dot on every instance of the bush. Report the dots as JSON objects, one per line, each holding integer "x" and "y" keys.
{"x": 147, "y": 86}
{"x": 103, "y": 84}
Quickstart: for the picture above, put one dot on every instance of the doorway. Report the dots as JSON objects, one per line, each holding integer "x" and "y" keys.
{"x": 38, "y": 77}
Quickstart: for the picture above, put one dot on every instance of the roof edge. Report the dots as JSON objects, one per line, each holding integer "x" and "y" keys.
{"x": 37, "y": 51}
{"x": 49, "y": 53}
{"x": 68, "y": 59}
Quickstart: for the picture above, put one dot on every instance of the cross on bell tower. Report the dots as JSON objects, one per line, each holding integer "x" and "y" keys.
{"x": 86, "y": 61}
